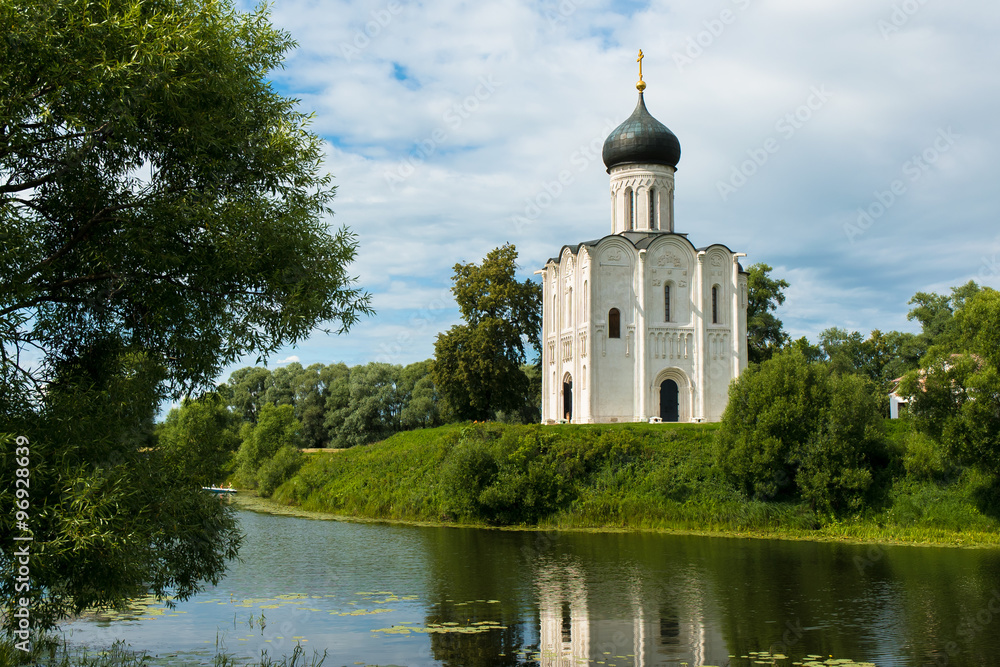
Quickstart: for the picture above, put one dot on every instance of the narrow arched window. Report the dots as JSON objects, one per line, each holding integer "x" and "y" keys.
{"x": 554, "y": 319}
{"x": 629, "y": 209}
{"x": 652, "y": 210}
{"x": 585, "y": 315}
{"x": 631, "y": 222}
{"x": 715, "y": 304}
{"x": 614, "y": 324}
{"x": 666, "y": 303}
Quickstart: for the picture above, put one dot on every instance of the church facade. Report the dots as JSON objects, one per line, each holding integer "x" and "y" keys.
{"x": 641, "y": 324}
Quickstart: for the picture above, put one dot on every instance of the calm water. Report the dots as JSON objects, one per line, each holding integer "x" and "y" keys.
{"x": 382, "y": 594}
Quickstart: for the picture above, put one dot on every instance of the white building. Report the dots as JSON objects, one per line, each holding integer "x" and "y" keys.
{"x": 607, "y": 622}
{"x": 641, "y": 324}
{"x": 897, "y": 404}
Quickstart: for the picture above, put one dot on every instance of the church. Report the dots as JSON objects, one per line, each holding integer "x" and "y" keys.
{"x": 641, "y": 325}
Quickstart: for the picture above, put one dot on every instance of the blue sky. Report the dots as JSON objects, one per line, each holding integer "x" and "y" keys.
{"x": 850, "y": 144}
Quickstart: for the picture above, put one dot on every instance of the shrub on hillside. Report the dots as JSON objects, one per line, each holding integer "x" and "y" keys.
{"x": 508, "y": 475}
{"x": 797, "y": 429}
{"x": 924, "y": 459}
{"x": 468, "y": 469}
{"x": 275, "y": 471}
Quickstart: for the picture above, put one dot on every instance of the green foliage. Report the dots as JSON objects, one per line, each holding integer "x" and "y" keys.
{"x": 956, "y": 395}
{"x": 812, "y": 353}
{"x": 881, "y": 357}
{"x": 163, "y": 212}
{"x": 222, "y": 249}
{"x": 625, "y": 475}
{"x": 769, "y": 415}
{"x": 277, "y": 427}
{"x": 936, "y": 314}
{"x": 477, "y": 365}
{"x": 111, "y": 519}
{"x": 765, "y": 335}
{"x": 49, "y": 652}
{"x": 340, "y": 406}
{"x": 374, "y": 407}
{"x": 530, "y": 406}
{"x": 422, "y": 410}
{"x": 279, "y": 468}
{"x": 247, "y": 388}
{"x": 198, "y": 439}
{"x": 471, "y": 467}
{"x": 795, "y": 428}
{"x": 310, "y": 404}
{"x": 923, "y": 458}
{"x": 956, "y": 505}
{"x": 836, "y": 462}
{"x": 978, "y": 323}
{"x": 381, "y": 400}
{"x": 505, "y": 476}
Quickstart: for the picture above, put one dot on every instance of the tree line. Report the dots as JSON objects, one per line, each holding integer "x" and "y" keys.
{"x": 809, "y": 422}
{"x": 254, "y": 425}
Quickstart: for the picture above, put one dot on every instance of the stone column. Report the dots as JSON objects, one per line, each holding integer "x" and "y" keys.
{"x": 546, "y": 355}
{"x": 734, "y": 326}
{"x": 700, "y": 340}
{"x": 640, "y": 338}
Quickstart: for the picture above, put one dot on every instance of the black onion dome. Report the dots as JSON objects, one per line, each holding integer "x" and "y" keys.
{"x": 641, "y": 138}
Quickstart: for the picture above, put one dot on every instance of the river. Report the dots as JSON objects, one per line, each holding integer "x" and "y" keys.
{"x": 413, "y": 595}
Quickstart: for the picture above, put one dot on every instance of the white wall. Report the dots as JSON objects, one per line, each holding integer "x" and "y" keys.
{"x": 618, "y": 379}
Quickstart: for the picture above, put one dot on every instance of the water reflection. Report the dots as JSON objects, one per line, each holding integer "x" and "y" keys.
{"x": 641, "y": 599}
{"x": 642, "y": 628}
{"x": 459, "y": 597}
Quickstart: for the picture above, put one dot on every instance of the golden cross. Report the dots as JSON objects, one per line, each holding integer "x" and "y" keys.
{"x": 639, "y": 60}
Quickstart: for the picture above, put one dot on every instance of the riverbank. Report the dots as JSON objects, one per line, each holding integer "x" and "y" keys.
{"x": 634, "y": 477}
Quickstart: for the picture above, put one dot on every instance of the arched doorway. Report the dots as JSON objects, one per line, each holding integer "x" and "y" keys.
{"x": 669, "y": 406}
{"x": 568, "y": 398}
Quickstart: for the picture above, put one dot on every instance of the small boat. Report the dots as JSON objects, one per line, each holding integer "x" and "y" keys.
{"x": 218, "y": 490}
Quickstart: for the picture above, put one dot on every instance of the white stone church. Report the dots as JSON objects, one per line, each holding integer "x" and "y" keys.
{"x": 641, "y": 324}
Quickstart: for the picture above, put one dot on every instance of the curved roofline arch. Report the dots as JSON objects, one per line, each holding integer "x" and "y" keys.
{"x": 647, "y": 239}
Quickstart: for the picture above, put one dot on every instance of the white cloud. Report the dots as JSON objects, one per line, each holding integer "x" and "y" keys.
{"x": 488, "y": 102}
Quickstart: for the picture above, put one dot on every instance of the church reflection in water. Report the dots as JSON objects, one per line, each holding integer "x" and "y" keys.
{"x": 619, "y": 623}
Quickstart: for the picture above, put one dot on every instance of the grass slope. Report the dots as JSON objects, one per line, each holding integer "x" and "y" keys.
{"x": 615, "y": 476}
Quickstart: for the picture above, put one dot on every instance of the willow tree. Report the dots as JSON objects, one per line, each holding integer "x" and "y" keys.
{"x": 163, "y": 212}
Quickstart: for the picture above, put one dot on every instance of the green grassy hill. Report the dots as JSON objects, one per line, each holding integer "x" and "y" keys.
{"x": 616, "y": 476}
